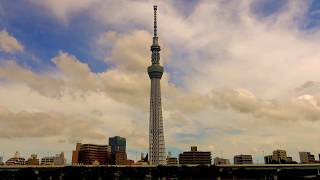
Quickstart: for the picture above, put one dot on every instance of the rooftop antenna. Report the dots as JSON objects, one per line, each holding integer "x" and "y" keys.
{"x": 155, "y": 8}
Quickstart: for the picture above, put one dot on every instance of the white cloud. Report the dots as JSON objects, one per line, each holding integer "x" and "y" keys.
{"x": 304, "y": 107}
{"x": 63, "y": 9}
{"x": 8, "y": 43}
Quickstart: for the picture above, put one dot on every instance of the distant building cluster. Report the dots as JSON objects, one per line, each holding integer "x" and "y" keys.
{"x": 195, "y": 157}
{"x": 114, "y": 153}
{"x": 280, "y": 157}
{"x": 17, "y": 160}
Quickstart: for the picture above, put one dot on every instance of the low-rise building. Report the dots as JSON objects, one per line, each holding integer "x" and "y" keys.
{"x": 143, "y": 161}
{"x": 195, "y": 157}
{"x": 75, "y": 154}
{"x": 172, "y": 161}
{"x": 279, "y": 156}
{"x": 47, "y": 161}
{"x": 306, "y": 157}
{"x": 16, "y": 160}
{"x": 89, "y": 153}
{"x": 119, "y": 157}
{"x": 268, "y": 159}
{"x": 58, "y": 159}
{"x": 32, "y": 160}
{"x": 217, "y": 161}
{"x": 1, "y": 161}
{"x": 242, "y": 159}
{"x": 290, "y": 160}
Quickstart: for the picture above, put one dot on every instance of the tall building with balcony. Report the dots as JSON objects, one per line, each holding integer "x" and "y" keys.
{"x": 306, "y": 157}
{"x": 195, "y": 157}
{"x": 242, "y": 159}
{"x": 88, "y": 154}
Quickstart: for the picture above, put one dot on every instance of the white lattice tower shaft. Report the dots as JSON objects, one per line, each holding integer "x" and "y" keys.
{"x": 156, "y": 131}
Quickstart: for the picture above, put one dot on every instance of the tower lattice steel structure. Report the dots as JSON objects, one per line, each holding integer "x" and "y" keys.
{"x": 156, "y": 133}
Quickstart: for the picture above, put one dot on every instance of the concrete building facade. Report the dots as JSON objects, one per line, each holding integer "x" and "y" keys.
{"x": 88, "y": 154}
{"x": 172, "y": 161}
{"x": 58, "y": 159}
{"x": 306, "y": 158}
{"x": 194, "y": 157}
{"x": 268, "y": 159}
{"x": 33, "y": 160}
{"x": 242, "y": 159}
{"x": 279, "y": 155}
{"x": 217, "y": 161}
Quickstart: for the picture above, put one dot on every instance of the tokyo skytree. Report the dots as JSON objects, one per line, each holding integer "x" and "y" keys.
{"x": 157, "y": 155}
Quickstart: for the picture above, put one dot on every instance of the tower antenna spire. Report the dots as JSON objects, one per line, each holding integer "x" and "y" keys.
{"x": 155, "y": 8}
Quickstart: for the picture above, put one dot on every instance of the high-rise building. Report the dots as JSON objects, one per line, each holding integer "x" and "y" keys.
{"x": 306, "y": 157}
{"x": 279, "y": 156}
{"x": 32, "y": 160}
{"x": 242, "y": 159}
{"x": 117, "y": 143}
{"x": 89, "y": 154}
{"x": 195, "y": 157}
{"x": 157, "y": 153}
{"x": 118, "y": 151}
{"x": 217, "y": 161}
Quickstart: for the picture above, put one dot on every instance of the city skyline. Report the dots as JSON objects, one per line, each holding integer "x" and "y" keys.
{"x": 239, "y": 75}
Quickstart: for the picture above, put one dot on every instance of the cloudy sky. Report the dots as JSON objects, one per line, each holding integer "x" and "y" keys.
{"x": 242, "y": 77}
